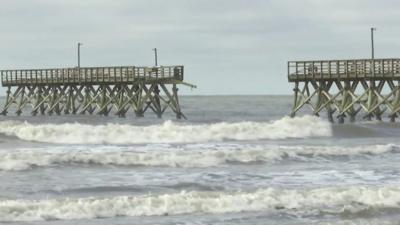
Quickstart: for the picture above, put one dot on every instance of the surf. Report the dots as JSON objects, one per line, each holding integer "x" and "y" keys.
{"x": 167, "y": 132}
{"x": 302, "y": 202}
{"x": 187, "y": 155}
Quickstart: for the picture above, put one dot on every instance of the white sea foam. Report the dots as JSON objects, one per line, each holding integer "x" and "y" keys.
{"x": 346, "y": 200}
{"x": 192, "y": 155}
{"x": 369, "y": 221}
{"x": 168, "y": 132}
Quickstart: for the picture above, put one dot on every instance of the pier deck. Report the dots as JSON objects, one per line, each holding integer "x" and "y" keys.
{"x": 94, "y": 89}
{"x": 346, "y": 87}
{"x": 344, "y": 69}
{"x": 92, "y": 75}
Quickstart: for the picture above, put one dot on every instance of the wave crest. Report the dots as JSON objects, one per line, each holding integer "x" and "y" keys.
{"x": 346, "y": 200}
{"x": 201, "y": 155}
{"x": 168, "y": 132}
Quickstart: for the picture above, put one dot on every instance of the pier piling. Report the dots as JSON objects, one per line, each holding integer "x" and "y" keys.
{"x": 347, "y": 87}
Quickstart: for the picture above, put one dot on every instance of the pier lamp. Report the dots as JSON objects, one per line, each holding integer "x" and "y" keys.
{"x": 372, "y": 42}
{"x": 79, "y": 54}
{"x": 155, "y": 55}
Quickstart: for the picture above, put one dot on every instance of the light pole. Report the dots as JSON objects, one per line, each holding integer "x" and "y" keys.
{"x": 79, "y": 55}
{"x": 372, "y": 42}
{"x": 155, "y": 55}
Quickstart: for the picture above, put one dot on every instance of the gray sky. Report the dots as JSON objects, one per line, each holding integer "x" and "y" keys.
{"x": 227, "y": 46}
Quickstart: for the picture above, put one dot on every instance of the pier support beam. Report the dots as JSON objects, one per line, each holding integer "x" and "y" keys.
{"x": 8, "y": 101}
{"x": 348, "y": 99}
{"x": 101, "y": 99}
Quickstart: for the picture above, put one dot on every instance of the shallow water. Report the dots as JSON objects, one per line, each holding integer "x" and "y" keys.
{"x": 236, "y": 160}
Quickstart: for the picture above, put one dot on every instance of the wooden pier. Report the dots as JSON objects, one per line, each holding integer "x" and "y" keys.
{"x": 344, "y": 88}
{"x": 90, "y": 90}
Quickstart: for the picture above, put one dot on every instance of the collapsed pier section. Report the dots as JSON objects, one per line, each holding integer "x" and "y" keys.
{"x": 346, "y": 88}
{"x": 100, "y": 90}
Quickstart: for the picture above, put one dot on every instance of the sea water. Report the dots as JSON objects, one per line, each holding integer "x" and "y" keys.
{"x": 236, "y": 160}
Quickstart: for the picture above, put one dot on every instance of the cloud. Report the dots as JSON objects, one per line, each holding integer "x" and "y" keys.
{"x": 227, "y": 46}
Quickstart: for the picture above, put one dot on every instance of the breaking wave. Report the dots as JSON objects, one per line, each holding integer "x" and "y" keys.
{"x": 322, "y": 201}
{"x": 168, "y": 132}
{"x": 204, "y": 155}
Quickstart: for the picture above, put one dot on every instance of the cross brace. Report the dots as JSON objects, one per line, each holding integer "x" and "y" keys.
{"x": 348, "y": 98}
{"x": 100, "y": 99}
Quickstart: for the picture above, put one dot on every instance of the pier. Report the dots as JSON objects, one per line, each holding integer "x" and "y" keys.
{"x": 100, "y": 90}
{"x": 346, "y": 88}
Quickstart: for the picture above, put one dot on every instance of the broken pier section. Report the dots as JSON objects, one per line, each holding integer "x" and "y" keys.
{"x": 91, "y": 90}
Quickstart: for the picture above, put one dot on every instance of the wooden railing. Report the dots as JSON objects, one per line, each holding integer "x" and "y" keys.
{"x": 92, "y": 75}
{"x": 343, "y": 69}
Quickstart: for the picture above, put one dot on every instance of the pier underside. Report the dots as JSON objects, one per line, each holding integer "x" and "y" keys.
{"x": 98, "y": 99}
{"x": 346, "y": 99}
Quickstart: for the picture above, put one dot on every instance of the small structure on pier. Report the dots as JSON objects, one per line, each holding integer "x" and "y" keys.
{"x": 344, "y": 88}
{"x": 90, "y": 90}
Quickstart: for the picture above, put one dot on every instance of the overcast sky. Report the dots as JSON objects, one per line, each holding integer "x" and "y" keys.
{"x": 226, "y": 46}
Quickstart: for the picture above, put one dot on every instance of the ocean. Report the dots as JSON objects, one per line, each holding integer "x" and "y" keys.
{"x": 236, "y": 160}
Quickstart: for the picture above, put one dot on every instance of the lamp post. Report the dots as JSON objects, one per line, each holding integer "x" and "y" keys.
{"x": 372, "y": 43}
{"x": 372, "y": 51}
{"x": 155, "y": 55}
{"x": 79, "y": 55}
